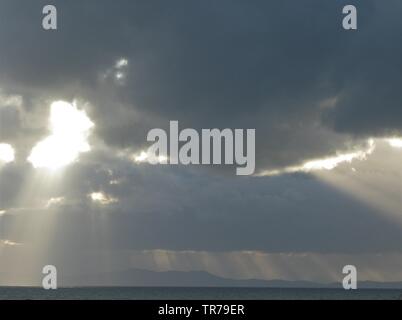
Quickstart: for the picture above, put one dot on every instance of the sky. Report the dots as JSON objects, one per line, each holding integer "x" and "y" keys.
{"x": 76, "y": 105}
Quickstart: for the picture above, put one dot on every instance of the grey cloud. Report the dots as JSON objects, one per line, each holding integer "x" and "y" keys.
{"x": 9, "y": 123}
{"x": 184, "y": 209}
{"x": 285, "y": 68}
{"x": 216, "y": 65}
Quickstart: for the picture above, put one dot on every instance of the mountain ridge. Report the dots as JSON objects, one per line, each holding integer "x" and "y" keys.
{"x": 148, "y": 278}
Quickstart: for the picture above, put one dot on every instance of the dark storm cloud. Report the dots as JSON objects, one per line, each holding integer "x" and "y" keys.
{"x": 286, "y": 68}
{"x": 184, "y": 209}
{"x": 290, "y": 214}
{"x": 370, "y": 74}
{"x": 269, "y": 65}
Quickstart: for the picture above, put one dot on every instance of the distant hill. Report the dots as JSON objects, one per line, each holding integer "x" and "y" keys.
{"x": 139, "y": 277}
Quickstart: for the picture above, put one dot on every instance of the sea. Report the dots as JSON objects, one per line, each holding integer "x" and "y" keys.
{"x": 193, "y": 293}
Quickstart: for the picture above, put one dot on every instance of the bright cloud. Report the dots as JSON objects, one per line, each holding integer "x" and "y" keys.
{"x": 55, "y": 202}
{"x": 9, "y": 243}
{"x": 395, "y": 142}
{"x": 70, "y": 129}
{"x": 328, "y": 163}
{"x": 118, "y": 72}
{"x": 121, "y": 63}
{"x": 333, "y": 162}
{"x": 145, "y": 157}
{"x": 7, "y": 153}
{"x": 102, "y": 198}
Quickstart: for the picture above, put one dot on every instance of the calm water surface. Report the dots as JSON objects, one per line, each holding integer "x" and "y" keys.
{"x": 162, "y": 293}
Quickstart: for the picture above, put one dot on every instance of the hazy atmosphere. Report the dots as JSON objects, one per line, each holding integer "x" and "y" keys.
{"x": 76, "y": 105}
